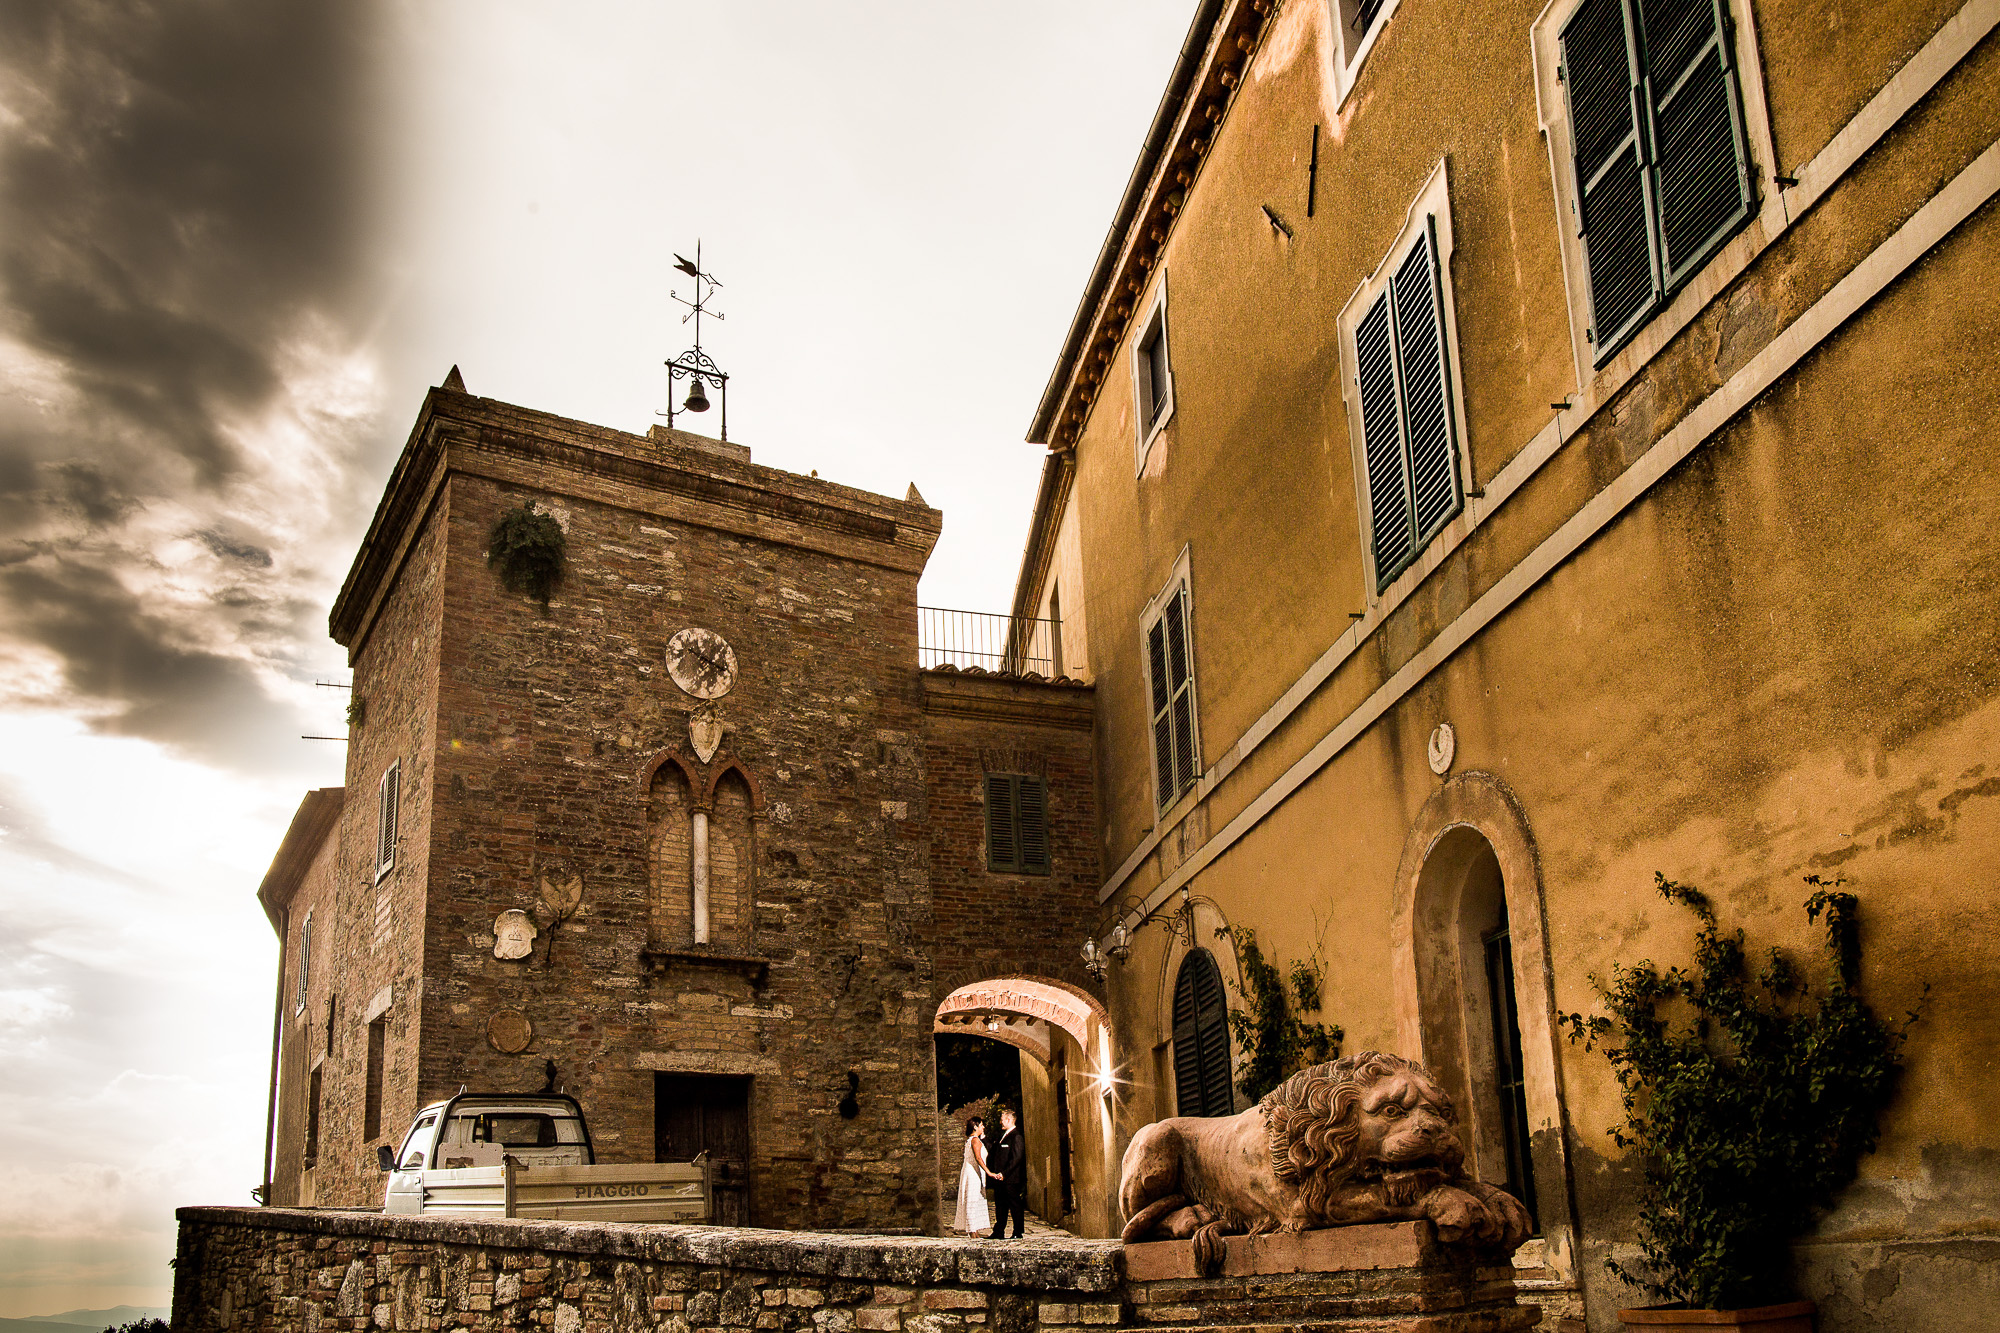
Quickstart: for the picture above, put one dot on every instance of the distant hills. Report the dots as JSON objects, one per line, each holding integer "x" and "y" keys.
{"x": 70, "y": 1321}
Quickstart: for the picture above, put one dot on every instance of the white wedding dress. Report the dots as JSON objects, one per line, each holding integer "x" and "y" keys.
{"x": 972, "y": 1215}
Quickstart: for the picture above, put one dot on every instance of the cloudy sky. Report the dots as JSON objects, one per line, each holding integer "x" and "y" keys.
{"x": 238, "y": 239}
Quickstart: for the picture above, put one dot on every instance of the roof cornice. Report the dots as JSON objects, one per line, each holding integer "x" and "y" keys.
{"x": 311, "y": 824}
{"x": 457, "y": 433}
{"x": 1206, "y": 75}
{"x": 1058, "y": 475}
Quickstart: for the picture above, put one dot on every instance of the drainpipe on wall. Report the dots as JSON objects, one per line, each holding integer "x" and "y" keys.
{"x": 277, "y": 1028}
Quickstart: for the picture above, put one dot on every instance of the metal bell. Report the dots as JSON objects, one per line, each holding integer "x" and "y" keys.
{"x": 697, "y": 400}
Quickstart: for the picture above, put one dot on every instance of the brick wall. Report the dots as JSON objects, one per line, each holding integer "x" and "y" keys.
{"x": 991, "y": 925}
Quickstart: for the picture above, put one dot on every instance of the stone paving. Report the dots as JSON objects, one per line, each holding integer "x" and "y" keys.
{"x": 1037, "y": 1229}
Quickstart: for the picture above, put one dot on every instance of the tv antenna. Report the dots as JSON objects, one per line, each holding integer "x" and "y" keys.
{"x": 695, "y": 365}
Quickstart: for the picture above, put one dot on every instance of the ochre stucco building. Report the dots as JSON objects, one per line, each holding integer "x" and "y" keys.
{"x": 1612, "y": 384}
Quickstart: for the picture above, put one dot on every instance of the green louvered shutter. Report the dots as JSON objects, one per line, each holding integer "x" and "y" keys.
{"x": 1031, "y": 813}
{"x": 1697, "y": 143}
{"x": 1422, "y": 374}
{"x": 1003, "y": 853}
{"x": 1170, "y": 669}
{"x": 1180, "y": 665}
{"x": 1163, "y": 726}
{"x": 1382, "y": 443}
{"x": 1600, "y": 70}
{"x": 1201, "y": 1039}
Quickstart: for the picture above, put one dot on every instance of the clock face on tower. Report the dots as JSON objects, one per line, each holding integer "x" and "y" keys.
{"x": 701, "y": 662}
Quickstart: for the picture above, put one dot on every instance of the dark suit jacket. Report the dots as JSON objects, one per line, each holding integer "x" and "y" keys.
{"x": 1010, "y": 1159}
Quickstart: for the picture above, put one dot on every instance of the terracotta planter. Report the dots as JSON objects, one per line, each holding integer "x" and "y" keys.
{"x": 1791, "y": 1317}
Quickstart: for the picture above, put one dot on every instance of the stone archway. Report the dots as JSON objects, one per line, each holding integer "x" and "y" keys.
{"x": 1470, "y": 859}
{"x": 1064, "y": 1114}
{"x": 1015, "y": 1004}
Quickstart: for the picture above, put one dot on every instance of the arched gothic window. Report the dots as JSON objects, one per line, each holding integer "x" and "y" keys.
{"x": 731, "y": 852}
{"x": 669, "y": 804}
{"x": 1201, "y": 1039}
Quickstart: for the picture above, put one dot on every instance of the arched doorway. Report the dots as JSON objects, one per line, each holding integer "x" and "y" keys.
{"x": 1061, "y": 1035}
{"x": 1470, "y": 1010}
{"x": 1473, "y": 993}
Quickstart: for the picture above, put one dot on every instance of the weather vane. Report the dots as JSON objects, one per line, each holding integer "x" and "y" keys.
{"x": 694, "y": 364}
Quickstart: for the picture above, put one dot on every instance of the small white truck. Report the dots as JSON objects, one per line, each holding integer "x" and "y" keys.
{"x": 497, "y": 1155}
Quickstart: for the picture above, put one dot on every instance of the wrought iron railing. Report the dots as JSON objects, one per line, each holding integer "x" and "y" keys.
{"x": 1012, "y": 645}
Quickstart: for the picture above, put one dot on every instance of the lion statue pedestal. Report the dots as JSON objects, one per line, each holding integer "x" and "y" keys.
{"x": 1303, "y": 1183}
{"x": 1336, "y": 1280}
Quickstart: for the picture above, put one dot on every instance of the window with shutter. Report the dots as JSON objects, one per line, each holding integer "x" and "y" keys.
{"x": 1170, "y": 673}
{"x": 305, "y": 959}
{"x": 387, "y": 798}
{"x": 1659, "y": 148}
{"x": 1031, "y": 799}
{"x": 1017, "y": 826}
{"x": 1402, "y": 380}
{"x": 1202, "y": 1083}
{"x": 1152, "y": 377}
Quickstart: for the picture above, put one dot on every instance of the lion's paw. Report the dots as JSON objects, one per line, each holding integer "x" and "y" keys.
{"x": 1456, "y": 1215}
{"x": 1488, "y": 1217}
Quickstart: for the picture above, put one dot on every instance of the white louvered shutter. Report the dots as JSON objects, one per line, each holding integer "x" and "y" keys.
{"x": 388, "y": 798}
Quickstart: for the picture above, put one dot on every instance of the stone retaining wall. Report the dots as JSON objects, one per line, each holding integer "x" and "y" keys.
{"x": 242, "y": 1270}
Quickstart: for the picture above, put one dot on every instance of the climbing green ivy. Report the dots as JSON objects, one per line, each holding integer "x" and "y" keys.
{"x": 1749, "y": 1103}
{"x": 527, "y": 548}
{"x": 1276, "y": 1042}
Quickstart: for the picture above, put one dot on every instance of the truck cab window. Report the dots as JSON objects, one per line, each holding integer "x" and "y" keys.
{"x": 412, "y": 1156}
{"x": 517, "y": 1130}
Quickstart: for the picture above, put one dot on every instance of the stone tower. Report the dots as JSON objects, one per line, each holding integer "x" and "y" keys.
{"x": 532, "y": 799}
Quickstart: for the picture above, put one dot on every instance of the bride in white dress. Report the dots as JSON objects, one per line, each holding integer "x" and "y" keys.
{"x": 972, "y": 1217}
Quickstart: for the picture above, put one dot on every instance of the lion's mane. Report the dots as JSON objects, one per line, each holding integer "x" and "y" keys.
{"x": 1310, "y": 1121}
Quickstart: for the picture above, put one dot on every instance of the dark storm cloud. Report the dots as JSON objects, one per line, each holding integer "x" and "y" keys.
{"x": 111, "y": 647}
{"x": 184, "y": 189}
{"x": 186, "y": 180}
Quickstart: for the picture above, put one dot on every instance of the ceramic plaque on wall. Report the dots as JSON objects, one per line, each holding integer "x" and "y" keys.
{"x": 510, "y": 1031}
{"x": 513, "y": 934}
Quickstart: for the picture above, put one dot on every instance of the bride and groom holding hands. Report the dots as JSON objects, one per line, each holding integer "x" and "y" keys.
{"x": 1006, "y": 1166}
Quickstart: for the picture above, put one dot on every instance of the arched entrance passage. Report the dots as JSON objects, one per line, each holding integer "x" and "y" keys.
{"x": 1018, "y": 1004}
{"x": 1474, "y": 996}
{"x": 1064, "y": 1116}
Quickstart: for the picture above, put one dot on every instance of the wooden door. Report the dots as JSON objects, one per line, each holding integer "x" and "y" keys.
{"x": 697, "y": 1113}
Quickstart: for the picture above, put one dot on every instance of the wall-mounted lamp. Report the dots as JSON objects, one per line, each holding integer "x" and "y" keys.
{"x": 1121, "y": 942}
{"x": 1093, "y": 961}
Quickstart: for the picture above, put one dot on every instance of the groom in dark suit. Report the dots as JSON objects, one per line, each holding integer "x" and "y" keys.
{"x": 1008, "y": 1165}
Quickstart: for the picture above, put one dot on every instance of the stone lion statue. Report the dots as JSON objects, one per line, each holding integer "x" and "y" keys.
{"x": 1368, "y": 1138}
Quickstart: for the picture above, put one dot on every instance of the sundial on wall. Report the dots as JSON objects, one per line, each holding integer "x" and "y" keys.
{"x": 701, "y": 662}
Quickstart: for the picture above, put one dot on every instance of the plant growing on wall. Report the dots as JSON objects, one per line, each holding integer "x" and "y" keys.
{"x": 527, "y": 548}
{"x": 1749, "y": 1102}
{"x": 1276, "y": 1042}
